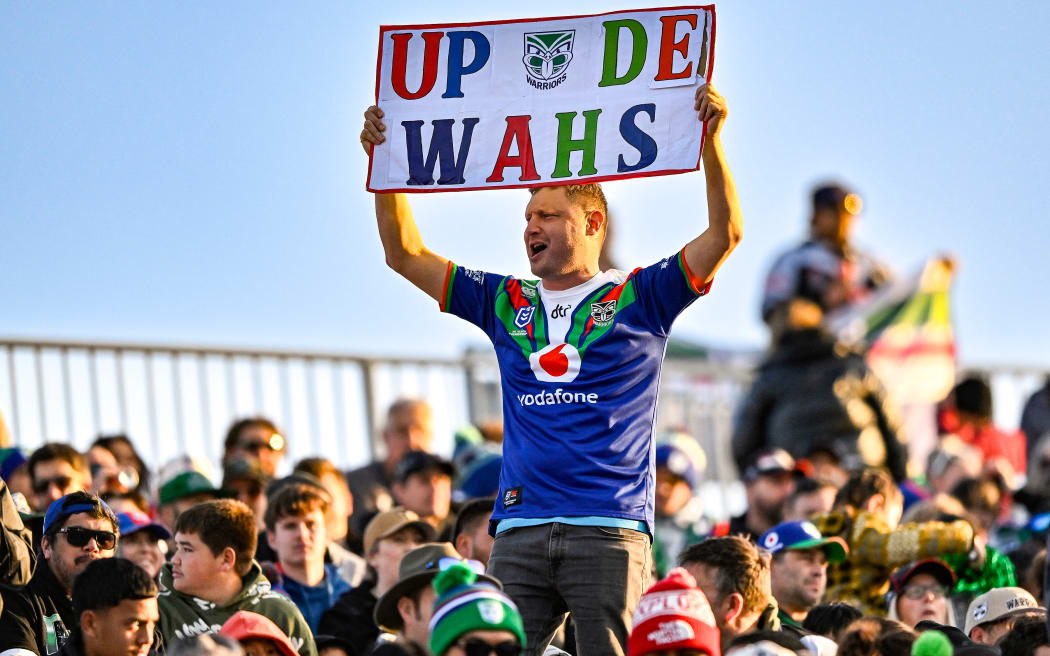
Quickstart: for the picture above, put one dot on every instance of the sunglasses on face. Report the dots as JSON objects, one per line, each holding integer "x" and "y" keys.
{"x": 917, "y": 591}
{"x": 79, "y": 536}
{"x": 478, "y": 647}
{"x": 44, "y": 485}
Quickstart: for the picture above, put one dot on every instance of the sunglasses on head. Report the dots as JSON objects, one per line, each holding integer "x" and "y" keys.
{"x": 79, "y": 536}
{"x": 478, "y": 647}
{"x": 44, "y": 484}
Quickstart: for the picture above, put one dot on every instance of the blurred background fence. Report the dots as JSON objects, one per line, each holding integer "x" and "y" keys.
{"x": 174, "y": 399}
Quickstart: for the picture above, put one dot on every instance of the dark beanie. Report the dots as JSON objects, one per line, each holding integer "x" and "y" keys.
{"x": 974, "y": 396}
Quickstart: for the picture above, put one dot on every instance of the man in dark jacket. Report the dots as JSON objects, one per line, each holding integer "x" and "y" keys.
{"x": 78, "y": 529}
{"x": 813, "y": 397}
{"x": 16, "y": 543}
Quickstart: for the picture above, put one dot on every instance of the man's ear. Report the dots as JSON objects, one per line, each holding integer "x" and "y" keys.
{"x": 406, "y": 608}
{"x": 270, "y": 538}
{"x": 463, "y": 546}
{"x": 228, "y": 560}
{"x": 875, "y": 503}
{"x": 398, "y": 489}
{"x": 595, "y": 221}
{"x": 977, "y": 634}
{"x": 89, "y": 624}
{"x": 733, "y": 608}
{"x": 46, "y": 547}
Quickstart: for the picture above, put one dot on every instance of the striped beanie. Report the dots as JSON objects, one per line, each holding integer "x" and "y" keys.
{"x": 464, "y": 605}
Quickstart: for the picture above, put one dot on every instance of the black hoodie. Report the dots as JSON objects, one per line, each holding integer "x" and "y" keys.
{"x": 37, "y": 617}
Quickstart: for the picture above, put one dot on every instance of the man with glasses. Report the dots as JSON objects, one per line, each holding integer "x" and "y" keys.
{"x": 405, "y": 609}
{"x": 78, "y": 529}
{"x": 255, "y": 438}
{"x": 55, "y": 470}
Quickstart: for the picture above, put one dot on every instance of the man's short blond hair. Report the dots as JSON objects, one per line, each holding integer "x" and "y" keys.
{"x": 589, "y": 197}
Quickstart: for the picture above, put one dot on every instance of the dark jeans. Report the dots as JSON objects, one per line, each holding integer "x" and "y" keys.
{"x": 595, "y": 573}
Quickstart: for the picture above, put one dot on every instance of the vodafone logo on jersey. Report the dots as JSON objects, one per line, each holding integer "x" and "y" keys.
{"x": 557, "y": 363}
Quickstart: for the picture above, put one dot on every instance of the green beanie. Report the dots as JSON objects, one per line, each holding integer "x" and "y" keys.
{"x": 462, "y": 606}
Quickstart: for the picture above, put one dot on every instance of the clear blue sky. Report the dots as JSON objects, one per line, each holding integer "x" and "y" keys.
{"x": 190, "y": 172}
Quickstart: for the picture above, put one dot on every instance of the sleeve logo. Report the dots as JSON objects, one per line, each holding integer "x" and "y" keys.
{"x": 475, "y": 275}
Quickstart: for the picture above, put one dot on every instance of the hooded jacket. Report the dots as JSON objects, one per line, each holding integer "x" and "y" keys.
{"x": 183, "y": 615}
{"x": 38, "y": 616}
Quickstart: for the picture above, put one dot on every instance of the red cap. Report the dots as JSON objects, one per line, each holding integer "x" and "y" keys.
{"x": 245, "y": 625}
{"x": 674, "y": 614}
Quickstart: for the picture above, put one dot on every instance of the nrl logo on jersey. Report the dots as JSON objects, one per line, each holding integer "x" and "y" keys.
{"x": 603, "y": 313}
{"x": 524, "y": 316}
{"x": 547, "y": 55}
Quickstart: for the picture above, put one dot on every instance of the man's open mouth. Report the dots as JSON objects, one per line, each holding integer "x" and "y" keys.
{"x": 537, "y": 248}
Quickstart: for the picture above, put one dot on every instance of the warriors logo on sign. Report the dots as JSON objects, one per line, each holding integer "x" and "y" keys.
{"x": 603, "y": 313}
{"x": 547, "y": 55}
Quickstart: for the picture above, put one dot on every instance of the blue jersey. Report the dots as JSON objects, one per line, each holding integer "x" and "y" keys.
{"x": 580, "y": 371}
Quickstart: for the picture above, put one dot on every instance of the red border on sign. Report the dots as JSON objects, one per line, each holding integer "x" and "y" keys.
{"x": 383, "y": 29}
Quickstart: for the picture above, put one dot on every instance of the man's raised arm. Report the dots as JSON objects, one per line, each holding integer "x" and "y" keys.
{"x": 725, "y": 227}
{"x": 402, "y": 243}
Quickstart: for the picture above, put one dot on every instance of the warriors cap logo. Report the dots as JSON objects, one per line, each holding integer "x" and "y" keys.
{"x": 557, "y": 363}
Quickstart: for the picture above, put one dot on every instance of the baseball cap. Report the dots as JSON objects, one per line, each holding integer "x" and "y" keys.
{"x": 416, "y": 461}
{"x": 11, "y": 458}
{"x": 186, "y": 484}
{"x": 998, "y": 604}
{"x": 936, "y": 568}
{"x": 837, "y": 197}
{"x": 68, "y": 505}
{"x": 135, "y": 520}
{"x": 682, "y": 456}
{"x": 673, "y": 614}
{"x": 772, "y": 460}
{"x": 417, "y": 569}
{"x": 803, "y": 535}
{"x": 391, "y": 521}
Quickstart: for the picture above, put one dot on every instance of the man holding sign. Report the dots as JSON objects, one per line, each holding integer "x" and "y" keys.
{"x": 580, "y": 352}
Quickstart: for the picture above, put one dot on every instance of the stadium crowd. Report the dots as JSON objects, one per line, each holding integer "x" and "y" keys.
{"x": 848, "y": 543}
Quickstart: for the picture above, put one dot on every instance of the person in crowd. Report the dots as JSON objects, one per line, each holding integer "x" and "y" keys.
{"x": 472, "y": 616}
{"x": 734, "y": 577}
{"x": 352, "y": 567}
{"x": 388, "y": 537}
{"x": 867, "y": 516}
{"x": 328, "y": 645}
{"x": 56, "y": 469}
{"x": 408, "y": 427}
{"x": 182, "y": 492}
{"x": 830, "y": 619}
{"x": 127, "y": 456}
{"x": 1035, "y": 416}
{"x": 798, "y": 568}
{"x": 678, "y": 512}
{"x": 17, "y": 558}
{"x": 876, "y": 636}
{"x": 949, "y": 463}
{"x": 674, "y": 617}
{"x": 255, "y": 438}
{"x": 811, "y": 497}
{"x": 969, "y": 417}
{"x": 244, "y": 479}
{"x": 205, "y": 645}
{"x": 983, "y": 498}
{"x": 14, "y": 471}
{"x": 919, "y": 592}
{"x": 477, "y": 462}
{"x": 77, "y": 529}
{"x": 405, "y": 609}
{"x": 974, "y": 576}
{"x": 991, "y": 615}
{"x": 596, "y": 506}
{"x": 471, "y": 532}
{"x": 212, "y": 575}
{"x": 813, "y": 397}
{"x": 826, "y": 269}
{"x": 295, "y": 529}
{"x": 769, "y": 479}
{"x": 422, "y": 483}
{"x": 257, "y": 635}
{"x": 142, "y": 541}
{"x": 115, "y": 605}
{"x": 1028, "y": 637}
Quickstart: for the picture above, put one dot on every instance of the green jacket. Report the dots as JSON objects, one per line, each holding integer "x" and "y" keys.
{"x": 183, "y": 615}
